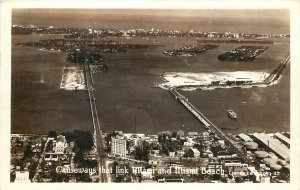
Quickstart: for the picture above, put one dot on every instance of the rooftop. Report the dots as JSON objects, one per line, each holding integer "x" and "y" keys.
{"x": 274, "y": 145}
{"x": 283, "y": 138}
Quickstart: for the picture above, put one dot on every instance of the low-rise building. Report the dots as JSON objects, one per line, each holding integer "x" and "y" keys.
{"x": 196, "y": 153}
{"x": 146, "y": 174}
{"x": 60, "y": 145}
{"x": 22, "y": 177}
{"x": 17, "y": 152}
{"x": 253, "y": 171}
{"x": 171, "y": 152}
{"x": 168, "y": 133}
{"x": 155, "y": 150}
{"x": 164, "y": 180}
{"x": 244, "y": 138}
{"x": 180, "y": 133}
{"x": 180, "y": 152}
{"x": 192, "y": 134}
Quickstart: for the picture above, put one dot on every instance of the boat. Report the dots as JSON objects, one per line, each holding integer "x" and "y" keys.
{"x": 232, "y": 114}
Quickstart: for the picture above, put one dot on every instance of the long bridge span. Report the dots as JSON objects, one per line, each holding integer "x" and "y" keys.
{"x": 96, "y": 123}
{"x": 208, "y": 124}
{"x": 275, "y": 75}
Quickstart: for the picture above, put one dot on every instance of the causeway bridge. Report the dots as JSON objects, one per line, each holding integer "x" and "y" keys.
{"x": 274, "y": 76}
{"x": 96, "y": 123}
{"x": 208, "y": 124}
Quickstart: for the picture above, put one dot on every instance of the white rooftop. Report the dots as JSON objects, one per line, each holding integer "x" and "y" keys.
{"x": 274, "y": 144}
{"x": 245, "y": 138}
{"x": 282, "y": 137}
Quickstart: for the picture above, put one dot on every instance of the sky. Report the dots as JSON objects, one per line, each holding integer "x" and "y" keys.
{"x": 197, "y": 19}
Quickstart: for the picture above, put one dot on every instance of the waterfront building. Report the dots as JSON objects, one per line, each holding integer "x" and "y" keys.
{"x": 192, "y": 134}
{"x": 180, "y": 133}
{"x": 167, "y": 133}
{"x": 285, "y": 140}
{"x": 118, "y": 147}
{"x": 244, "y": 138}
{"x": 273, "y": 144}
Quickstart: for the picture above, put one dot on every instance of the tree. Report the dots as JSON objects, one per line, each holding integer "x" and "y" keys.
{"x": 83, "y": 177}
{"x": 160, "y": 138}
{"x": 62, "y": 178}
{"x": 174, "y": 135}
{"x": 216, "y": 177}
{"x": 164, "y": 138}
{"x": 32, "y": 169}
{"x": 114, "y": 165}
{"x": 238, "y": 179}
{"x": 12, "y": 176}
{"x": 138, "y": 153}
{"x": 189, "y": 153}
{"x": 142, "y": 153}
{"x": 164, "y": 150}
{"x": 27, "y": 153}
{"x": 83, "y": 139}
{"x": 78, "y": 157}
{"x": 145, "y": 153}
{"x": 52, "y": 134}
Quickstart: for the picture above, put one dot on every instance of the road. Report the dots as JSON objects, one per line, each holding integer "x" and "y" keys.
{"x": 208, "y": 124}
{"x": 96, "y": 123}
{"x": 274, "y": 76}
{"x": 39, "y": 166}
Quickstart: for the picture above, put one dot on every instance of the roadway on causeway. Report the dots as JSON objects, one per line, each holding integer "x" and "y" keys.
{"x": 96, "y": 123}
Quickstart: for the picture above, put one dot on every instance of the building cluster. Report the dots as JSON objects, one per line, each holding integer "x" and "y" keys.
{"x": 37, "y": 158}
{"x": 270, "y": 154}
{"x": 85, "y": 44}
{"x": 236, "y": 40}
{"x": 56, "y": 146}
{"x": 46, "y": 30}
{"x": 199, "y": 157}
{"x": 92, "y": 33}
{"x": 161, "y": 158}
{"x": 190, "y": 50}
{"x": 57, "y": 153}
{"x": 26, "y": 149}
{"x": 243, "y": 53}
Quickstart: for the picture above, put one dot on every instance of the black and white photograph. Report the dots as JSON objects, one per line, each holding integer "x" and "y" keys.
{"x": 150, "y": 95}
